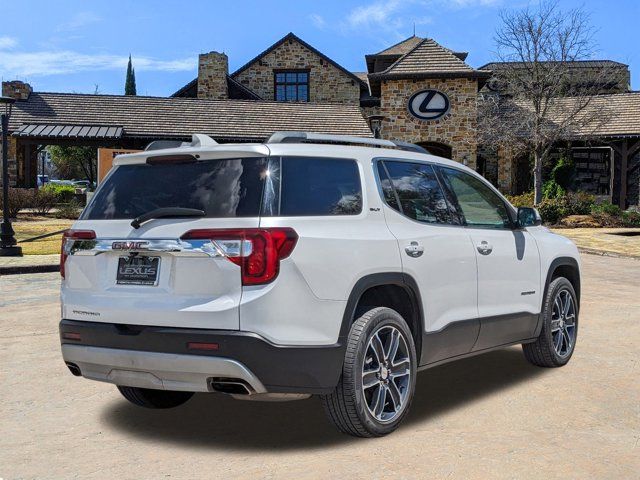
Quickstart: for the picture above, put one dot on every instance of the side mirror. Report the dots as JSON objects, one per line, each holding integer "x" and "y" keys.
{"x": 528, "y": 217}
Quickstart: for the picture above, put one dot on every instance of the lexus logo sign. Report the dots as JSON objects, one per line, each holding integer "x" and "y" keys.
{"x": 428, "y": 104}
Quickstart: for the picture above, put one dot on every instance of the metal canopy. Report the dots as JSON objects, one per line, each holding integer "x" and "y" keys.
{"x": 69, "y": 131}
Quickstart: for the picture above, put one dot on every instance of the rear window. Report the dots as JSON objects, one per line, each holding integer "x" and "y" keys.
{"x": 222, "y": 188}
{"x": 244, "y": 187}
{"x": 310, "y": 186}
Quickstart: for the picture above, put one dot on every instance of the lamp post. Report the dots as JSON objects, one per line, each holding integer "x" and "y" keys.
{"x": 375, "y": 122}
{"x": 8, "y": 247}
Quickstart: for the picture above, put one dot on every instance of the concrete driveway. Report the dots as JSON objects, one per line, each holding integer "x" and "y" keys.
{"x": 492, "y": 416}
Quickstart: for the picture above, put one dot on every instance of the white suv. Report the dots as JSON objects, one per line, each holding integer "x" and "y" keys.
{"x": 304, "y": 266}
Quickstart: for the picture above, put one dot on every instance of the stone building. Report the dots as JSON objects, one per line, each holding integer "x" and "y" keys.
{"x": 416, "y": 91}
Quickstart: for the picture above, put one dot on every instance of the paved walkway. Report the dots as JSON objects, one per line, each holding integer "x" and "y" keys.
{"x": 605, "y": 240}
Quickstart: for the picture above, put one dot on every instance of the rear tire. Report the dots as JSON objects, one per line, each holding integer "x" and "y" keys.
{"x": 377, "y": 384}
{"x": 149, "y": 398}
{"x": 557, "y": 340}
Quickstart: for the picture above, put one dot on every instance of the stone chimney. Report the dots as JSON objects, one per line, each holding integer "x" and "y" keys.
{"x": 213, "y": 68}
{"x": 16, "y": 89}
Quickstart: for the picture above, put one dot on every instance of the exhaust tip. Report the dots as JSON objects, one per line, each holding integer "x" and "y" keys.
{"x": 74, "y": 369}
{"x": 232, "y": 386}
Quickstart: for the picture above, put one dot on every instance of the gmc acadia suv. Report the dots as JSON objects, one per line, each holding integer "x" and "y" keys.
{"x": 306, "y": 266}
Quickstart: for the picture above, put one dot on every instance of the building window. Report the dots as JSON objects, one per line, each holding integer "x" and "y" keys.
{"x": 292, "y": 86}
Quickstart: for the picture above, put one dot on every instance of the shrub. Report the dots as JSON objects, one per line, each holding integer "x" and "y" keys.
{"x": 63, "y": 193}
{"x": 43, "y": 201}
{"x": 579, "y": 203}
{"x": 69, "y": 210}
{"x": 631, "y": 218}
{"x": 19, "y": 199}
{"x": 563, "y": 173}
{"x": 552, "y": 210}
{"x": 524, "y": 200}
{"x": 551, "y": 189}
{"x": 606, "y": 209}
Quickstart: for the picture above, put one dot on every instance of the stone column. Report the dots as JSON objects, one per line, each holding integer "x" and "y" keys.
{"x": 505, "y": 170}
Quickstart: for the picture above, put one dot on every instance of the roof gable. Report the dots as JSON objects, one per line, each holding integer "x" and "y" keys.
{"x": 428, "y": 56}
{"x": 402, "y": 47}
{"x": 291, "y": 36}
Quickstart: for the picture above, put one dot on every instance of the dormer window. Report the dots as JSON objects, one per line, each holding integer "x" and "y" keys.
{"x": 291, "y": 86}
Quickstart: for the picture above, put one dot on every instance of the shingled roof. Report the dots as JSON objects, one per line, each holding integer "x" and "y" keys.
{"x": 623, "y": 115}
{"x": 613, "y": 115}
{"x": 402, "y": 47}
{"x": 429, "y": 59}
{"x": 161, "y": 117}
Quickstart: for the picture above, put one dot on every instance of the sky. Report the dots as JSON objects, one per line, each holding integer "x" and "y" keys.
{"x": 82, "y": 46}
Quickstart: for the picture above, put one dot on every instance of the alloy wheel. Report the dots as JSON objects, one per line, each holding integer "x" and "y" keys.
{"x": 563, "y": 323}
{"x": 386, "y": 374}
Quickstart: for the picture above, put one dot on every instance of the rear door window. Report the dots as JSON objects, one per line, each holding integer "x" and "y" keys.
{"x": 313, "y": 186}
{"x": 416, "y": 187}
{"x": 222, "y": 188}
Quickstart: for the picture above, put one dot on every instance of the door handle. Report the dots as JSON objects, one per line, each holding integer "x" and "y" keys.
{"x": 414, "y": 249}
{"x": 484, "y": 247}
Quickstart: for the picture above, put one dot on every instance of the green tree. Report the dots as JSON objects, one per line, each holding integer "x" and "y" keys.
{"x": 130, "y": 82}
{"x": 75, "y": 162}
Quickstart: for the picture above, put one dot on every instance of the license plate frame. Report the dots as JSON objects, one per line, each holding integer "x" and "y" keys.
{"x": 138, "y": 270}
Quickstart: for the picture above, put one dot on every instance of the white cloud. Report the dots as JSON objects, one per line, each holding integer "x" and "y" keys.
{"x": 22, "y": 64}
{"x": 7, "y": 42}
{"x": 377, "y": 13}
{"x": 318, "y": 20}
{"x": 476, "y": 3}
{"x": 77, "y": 21}
{"x": 397, "y": 18}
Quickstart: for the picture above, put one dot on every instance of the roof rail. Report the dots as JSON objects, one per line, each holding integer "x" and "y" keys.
{"x": 300, "y": 137}
{"x": 197, "y": 140}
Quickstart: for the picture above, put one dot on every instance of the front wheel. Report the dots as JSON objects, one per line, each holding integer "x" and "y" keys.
{"x": 378, "y": 378}
{"x": 557, "y": 340}
{"x": 149, "y": 398}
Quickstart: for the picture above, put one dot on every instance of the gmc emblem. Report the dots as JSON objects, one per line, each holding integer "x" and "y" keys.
{"x": 133, "y": 245}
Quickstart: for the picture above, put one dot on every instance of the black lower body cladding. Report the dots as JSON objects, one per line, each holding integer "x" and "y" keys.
{"x": 282, "y": 369}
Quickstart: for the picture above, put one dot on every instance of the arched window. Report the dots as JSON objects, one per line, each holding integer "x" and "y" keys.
{"x": 436, "y": 148}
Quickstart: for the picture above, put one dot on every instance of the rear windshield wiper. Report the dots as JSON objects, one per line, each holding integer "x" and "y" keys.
{"x": 166, "y": 212}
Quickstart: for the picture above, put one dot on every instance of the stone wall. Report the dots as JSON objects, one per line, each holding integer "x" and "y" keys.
{"x": 456, "y": 129}
{"x": 327, "y": 84}
{"x": 213, "y": 68}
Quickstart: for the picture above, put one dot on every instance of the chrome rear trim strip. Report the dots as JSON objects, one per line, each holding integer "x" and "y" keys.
{"x": 171, "y": 246}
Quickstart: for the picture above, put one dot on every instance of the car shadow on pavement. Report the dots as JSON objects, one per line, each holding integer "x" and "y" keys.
{"x": 215, "y": 421}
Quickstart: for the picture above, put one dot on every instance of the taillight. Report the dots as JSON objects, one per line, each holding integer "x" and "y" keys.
{"x": 257, "y": 251}
{"x": 73, "y": 235}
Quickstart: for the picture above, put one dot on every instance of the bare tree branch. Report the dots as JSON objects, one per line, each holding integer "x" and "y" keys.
{"x": 543, "y": 98}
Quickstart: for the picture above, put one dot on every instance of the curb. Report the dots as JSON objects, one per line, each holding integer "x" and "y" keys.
{"x": 23, "y": 269}
{"x": 604, "y": 253}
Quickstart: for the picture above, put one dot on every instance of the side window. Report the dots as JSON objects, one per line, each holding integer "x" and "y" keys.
{"x": 418, "y": 190}
{"x": 479, "y": 205}
{"x": 387, "y": 189}
{"x": 319, "y": 186}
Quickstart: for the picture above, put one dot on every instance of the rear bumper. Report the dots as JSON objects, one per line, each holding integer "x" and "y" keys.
{"x": 162, "y": 371}
{"x": 158, "y": 357}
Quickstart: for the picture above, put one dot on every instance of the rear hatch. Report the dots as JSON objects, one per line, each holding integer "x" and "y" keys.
{"x": 159, "y": 273}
